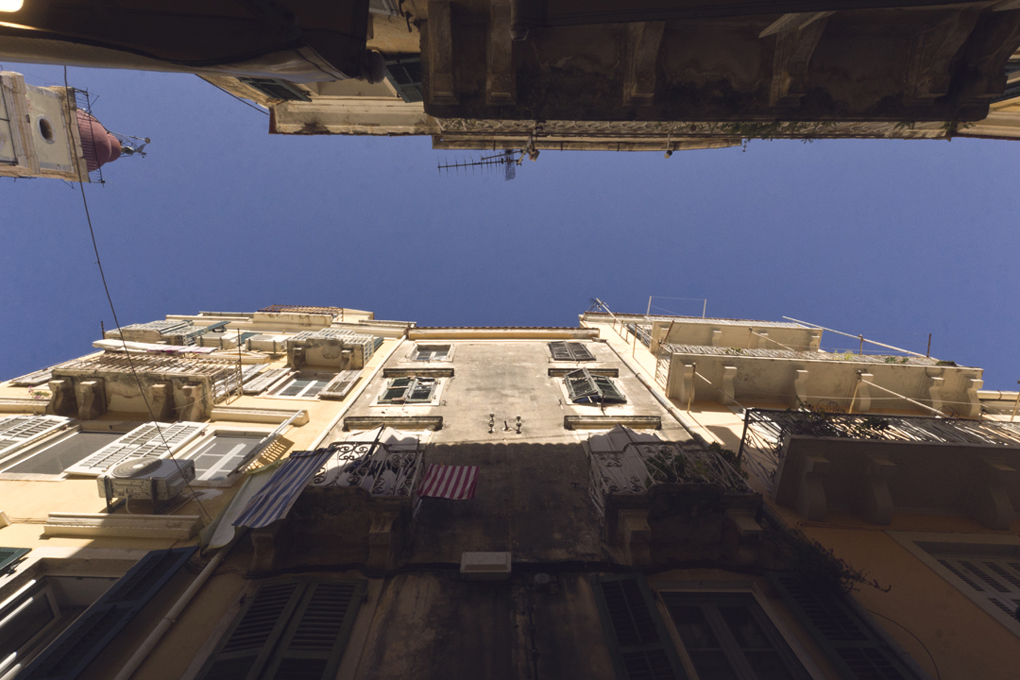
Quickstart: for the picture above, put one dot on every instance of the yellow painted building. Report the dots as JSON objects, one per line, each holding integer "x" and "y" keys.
{"x": 307, "y": 492}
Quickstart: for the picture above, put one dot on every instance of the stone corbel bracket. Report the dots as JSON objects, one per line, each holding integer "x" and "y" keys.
{"x": 989, "y": 498}
{"x": 876, "y": 504}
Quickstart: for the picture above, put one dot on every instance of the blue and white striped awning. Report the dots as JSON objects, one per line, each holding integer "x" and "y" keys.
{"x": 277, "y": 497}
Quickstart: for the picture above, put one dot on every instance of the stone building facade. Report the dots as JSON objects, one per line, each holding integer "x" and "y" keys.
{"x": 312, "y": 492}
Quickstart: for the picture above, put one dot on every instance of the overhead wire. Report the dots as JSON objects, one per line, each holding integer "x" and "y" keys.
{"x": 113, "y": 311}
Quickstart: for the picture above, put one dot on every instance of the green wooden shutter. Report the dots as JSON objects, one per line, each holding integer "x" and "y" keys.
{"x": 8, "y": 556}
{"x": 638, "y": 639}
{"x": 611, "y": 394}
{"x": 851, "y": 644}
{"x": 560, "y": 352}
{"x": 581, "y": 386}
{"x": 316, "y": 637}
{"x": 251, "y": 638}
{"x": 78, "y": 646}
{"x": 288, "y": 629}
{"x": 580, "y": 352}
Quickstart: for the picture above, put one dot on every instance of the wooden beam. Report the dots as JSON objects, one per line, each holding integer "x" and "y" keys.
{"x": 501, "y": 76}
{"x": 441, "y": 86}
{"x": 643, "y": 42}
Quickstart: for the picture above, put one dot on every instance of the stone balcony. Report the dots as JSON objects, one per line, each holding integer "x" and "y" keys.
{"x": 877, "y": 466}
{"x": 860, "y": 383}
{"x": 171, "y": 388}
{"x": 664, "y": 500}
{"x": 356, "y": 510}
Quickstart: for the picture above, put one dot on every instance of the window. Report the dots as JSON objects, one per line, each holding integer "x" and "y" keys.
{"x": 287, "y": 629}
{"x": 431, "y": 353}
{"x": 304, "y": 385}
{"x": 17, "y": 432}
{"x": 585, "y": 388}
{"x": 156, "y": 440}
{"x": 53, "y": 456}
{"x": 55, "y": 626}
{"x": 570, "y": 351}
{"x": 216, "y": 457}
{"x": 410, "y": 390}
{"x": 855, "y": 646}
{"x": 639, "y": 641}
{"x": 727, "y": 635}
{"x": 986, "y": 569}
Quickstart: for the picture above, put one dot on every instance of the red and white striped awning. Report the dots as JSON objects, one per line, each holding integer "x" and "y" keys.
{"x": 453, "y": 482}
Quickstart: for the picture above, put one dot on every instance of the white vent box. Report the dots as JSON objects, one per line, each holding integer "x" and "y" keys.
{"x": 491, "y": 566}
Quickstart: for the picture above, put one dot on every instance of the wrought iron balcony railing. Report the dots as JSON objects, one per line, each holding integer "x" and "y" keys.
{"x": 642, "y": 465}
{"x": 765, "y": 432}
{"x": 372, "y": 466}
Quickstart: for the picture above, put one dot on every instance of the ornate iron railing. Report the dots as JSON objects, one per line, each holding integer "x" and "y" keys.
{"x": 642, "y": 465}
{"x": 805, "y": 355}
{"x": 765, "y": 431}
{"x": 371, "y": 466}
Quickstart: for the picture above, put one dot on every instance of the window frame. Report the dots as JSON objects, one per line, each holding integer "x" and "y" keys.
{"x": 709, "y": 602}
{"x": 35, "y": 448}
{"x": 206, "y": 437}
{"x": 281, "y": 385}
{"x": 432, "y": 348}
{"x": 413, "y": 382}
{"x": 919, "y": 545}
{"x": 15, "y": 604}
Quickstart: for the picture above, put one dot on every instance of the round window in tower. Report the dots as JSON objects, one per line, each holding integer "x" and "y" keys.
{"x": 46, "y": 129}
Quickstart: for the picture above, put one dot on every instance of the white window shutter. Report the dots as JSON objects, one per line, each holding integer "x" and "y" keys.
{"x": 341, "y": 385}
{"x": 19, "y": 431}
{"x": 264, "y": 381}
{"x": 144, "y": 441}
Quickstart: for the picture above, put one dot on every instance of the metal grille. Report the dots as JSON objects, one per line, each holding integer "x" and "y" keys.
{"x": 335, "y": 312}
{"x": 797, "y": 354}
{"x": 19, "y": 431}
{"x": 765, "y": 430}
{"x": 371, "y": 466}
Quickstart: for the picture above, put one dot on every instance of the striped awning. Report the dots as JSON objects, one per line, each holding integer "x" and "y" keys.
{"x": 277, "y": 497}
{"x": 454, "y": 482}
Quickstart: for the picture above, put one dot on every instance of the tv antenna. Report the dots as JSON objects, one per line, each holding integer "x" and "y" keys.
{"x": 488, "y": 164}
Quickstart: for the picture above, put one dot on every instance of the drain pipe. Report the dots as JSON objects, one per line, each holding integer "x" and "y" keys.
{"x": 171, "y": 616}
{"x": 685, "y": 422}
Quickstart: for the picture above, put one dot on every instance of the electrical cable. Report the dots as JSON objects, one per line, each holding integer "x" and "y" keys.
{"x": 934, "y": 665}
{"x": 113, "y": 311}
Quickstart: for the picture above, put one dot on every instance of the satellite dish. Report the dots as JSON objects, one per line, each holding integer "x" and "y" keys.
{"x": 139, "y": 467}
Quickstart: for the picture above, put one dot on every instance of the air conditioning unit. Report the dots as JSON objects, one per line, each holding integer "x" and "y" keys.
{"x": 159, "y": 480}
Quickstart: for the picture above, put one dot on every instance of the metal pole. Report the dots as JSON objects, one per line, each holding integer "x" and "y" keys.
{"x": 704, "y": 308}
{"x": 861, "y": 350}
{"x": 648, "y": 313}
{"x": 1015, "y": 404}
{"x": 928, "y": 353}
{"x": 873, "y": 342}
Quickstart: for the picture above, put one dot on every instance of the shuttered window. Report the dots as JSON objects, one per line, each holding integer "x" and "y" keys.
{"x": 409, "y": 391}
{"x": 570, "y": 351}
{"x": 18, "y": 431}
{"x": 33, "y": 379}
{"x": 431, "y": 353}
{"x": 304, "y": 385}
{"x": 85, "y": 639}
{"x": 585, "y": 388}
{"x": 288, "y": 629}
{"x": 157, "y": 440}
{"x": 640, "y": 645}
{"x": 858, "y": 651}
{"x": 263, "y": 381}
{"x": 988, "y": 573}
{"x": 8, "y": 556}
{"x": 341, "y": 385}
{"x": 728, "y": 635}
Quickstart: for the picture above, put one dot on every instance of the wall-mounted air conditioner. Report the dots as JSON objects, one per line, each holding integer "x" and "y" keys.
{"x": 159, "y": 480}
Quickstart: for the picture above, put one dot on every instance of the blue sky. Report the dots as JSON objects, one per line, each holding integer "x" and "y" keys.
{"x": 891, "y": 239}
